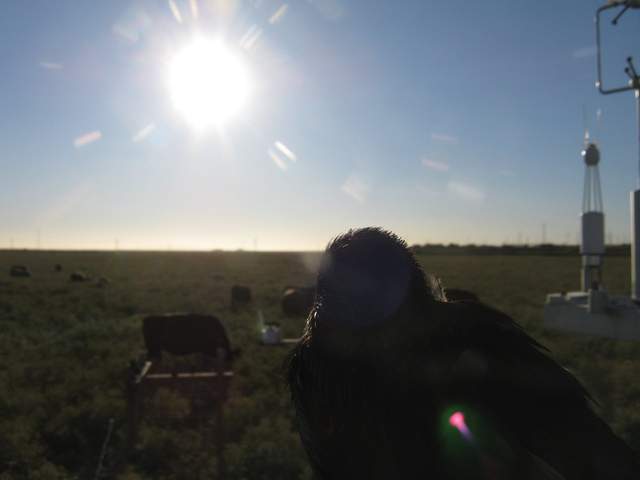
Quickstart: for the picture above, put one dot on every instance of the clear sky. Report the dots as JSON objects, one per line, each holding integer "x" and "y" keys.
{"x": 442, "y": 121}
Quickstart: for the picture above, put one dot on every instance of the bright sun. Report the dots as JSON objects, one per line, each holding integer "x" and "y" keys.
{"x": 207, "y": 83}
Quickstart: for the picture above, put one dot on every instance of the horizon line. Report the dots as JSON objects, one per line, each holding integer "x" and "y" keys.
{"x": 242, "y": 250}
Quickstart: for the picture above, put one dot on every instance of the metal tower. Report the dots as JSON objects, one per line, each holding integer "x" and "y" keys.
{"x": 632, "y": 85}
{"x": 592, "y": 241}
{"x": 592, "y": 311}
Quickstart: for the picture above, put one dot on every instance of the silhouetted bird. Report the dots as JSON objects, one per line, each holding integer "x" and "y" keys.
{"x": 392, "y": 381}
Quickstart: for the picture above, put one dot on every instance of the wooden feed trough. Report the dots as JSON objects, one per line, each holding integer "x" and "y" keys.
{"x": 206, "y": 388}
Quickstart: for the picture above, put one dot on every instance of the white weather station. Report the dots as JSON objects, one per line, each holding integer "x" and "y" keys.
{"x": 592, "y": 310}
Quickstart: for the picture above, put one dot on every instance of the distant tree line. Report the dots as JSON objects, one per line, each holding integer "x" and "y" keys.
{"x": 620, "y": 250}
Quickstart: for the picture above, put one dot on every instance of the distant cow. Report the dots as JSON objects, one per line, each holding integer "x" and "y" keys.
{"x": 19, "y": 271}
{"x": 457, "y": 294}
{"x": 103, "y": 282}
{"x": 57, "y": 267}
{"x": 240, "y": 296}
{"x": 184, "y": 334}
{"x": 78, "y": 277}
{"x": 297, "y": 301}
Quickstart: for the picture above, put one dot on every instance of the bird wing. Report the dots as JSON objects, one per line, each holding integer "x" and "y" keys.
{"x": 508, "y": 357}
{"x": 487, "y": 361}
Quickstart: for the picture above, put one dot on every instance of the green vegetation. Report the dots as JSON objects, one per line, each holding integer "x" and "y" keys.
{"x": 65, "y": 349}
{"x": 543, "y": 249}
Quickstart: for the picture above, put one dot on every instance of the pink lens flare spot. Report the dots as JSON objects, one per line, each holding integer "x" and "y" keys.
{"x": 456, "y": 420}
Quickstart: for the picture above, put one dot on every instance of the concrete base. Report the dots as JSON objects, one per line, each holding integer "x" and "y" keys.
{"x": 593, "y": 313}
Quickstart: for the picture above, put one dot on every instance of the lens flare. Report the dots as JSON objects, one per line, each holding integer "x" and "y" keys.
{"x": 457, "y": 421}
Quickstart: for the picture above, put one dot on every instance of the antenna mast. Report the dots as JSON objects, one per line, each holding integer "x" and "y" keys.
{"x": 592, "y": 242}
{"x": 633, "y": 84}
{"x": 593, "y": 311}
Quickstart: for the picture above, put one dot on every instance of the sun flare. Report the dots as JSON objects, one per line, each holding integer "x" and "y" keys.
{"x": 208, "y": 84}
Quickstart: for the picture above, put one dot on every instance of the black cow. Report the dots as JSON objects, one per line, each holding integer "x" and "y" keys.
{"x": 458, "y": 294}
{"x": 19, "y": 271}
{"x": 78, "y": 277}
{"x": 57, "y": 267}
{"x": 240, "y": 296}
{"x": 297, "y": 301}
{"x": 184, "y": 334}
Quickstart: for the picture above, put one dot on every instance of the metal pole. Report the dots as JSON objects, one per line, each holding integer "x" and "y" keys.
{"x": 222, "y": 468}
{"x": 219, "y": 436}
{"x": 634, "y": 85}
{"x": 132, "y": 408}
{"x": 635, "y": 244}
{"x": 635, "y": 222}
{"x": 638, "y": 120}
{"x": 103, "y": 451}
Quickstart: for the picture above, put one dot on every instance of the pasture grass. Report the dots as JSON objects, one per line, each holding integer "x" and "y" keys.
{"x": 65, "y": 349}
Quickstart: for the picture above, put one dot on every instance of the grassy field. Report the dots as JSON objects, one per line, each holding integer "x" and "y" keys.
{"x": 65, "y": 348}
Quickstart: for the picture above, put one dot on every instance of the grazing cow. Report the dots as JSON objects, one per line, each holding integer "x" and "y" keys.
{"x": 184, "y": 334}
{"x": 458, "y": 294}
{"x": 103, "y": 282}
{"x": 78, "y": 277}
{"x": 297, "y": 301}
{"x": 57, "y": 267}
{"x": 19, "y": 271}
{"x": 240, "y": 296}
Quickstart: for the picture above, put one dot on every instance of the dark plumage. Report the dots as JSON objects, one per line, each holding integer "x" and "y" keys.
{"x": 297, "y": 301}
{"x": 385, "y": 361}
{"x": 457, "y": 294}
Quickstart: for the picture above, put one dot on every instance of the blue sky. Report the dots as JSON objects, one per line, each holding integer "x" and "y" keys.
{"x": 442, "y": 121}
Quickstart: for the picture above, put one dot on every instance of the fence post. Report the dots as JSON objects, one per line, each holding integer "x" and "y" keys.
{"x": 132, "y": 408}
{"x": 219, "y": 436}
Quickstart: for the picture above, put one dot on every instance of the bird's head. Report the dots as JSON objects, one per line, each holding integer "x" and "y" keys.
{"x": 368, "y": 278}
{"x": 372, "y": 299}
